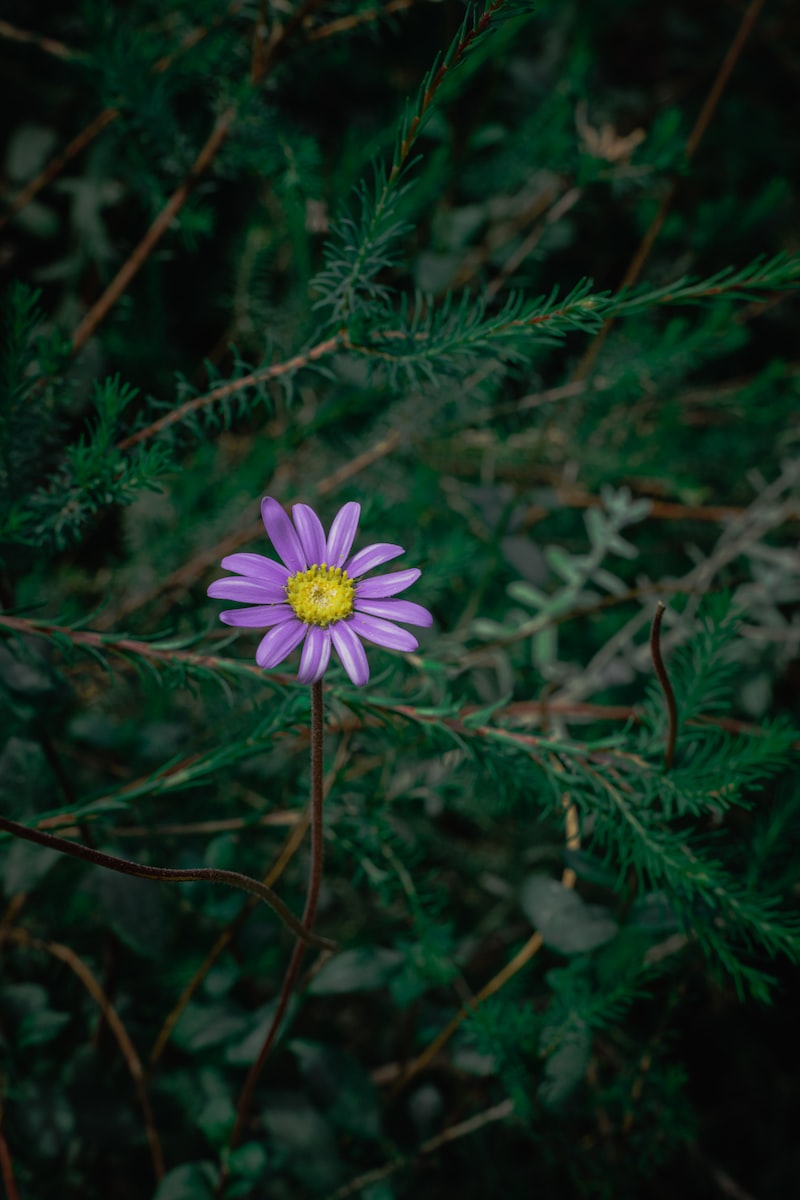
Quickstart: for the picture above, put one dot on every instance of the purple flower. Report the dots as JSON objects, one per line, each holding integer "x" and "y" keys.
{"x": 317, "y": 595}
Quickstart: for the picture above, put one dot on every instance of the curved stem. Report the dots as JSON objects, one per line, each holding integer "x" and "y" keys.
{"x": 314, "y": 881}
{"x": 169, "y": 875}
{"x": 666, "y": 686}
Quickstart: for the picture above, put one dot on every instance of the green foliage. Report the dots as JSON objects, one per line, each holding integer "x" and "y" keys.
{"x": 337, "y": 251}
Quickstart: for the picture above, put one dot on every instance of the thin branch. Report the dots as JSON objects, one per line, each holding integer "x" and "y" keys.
{"x": 459, "y": 54}
{"x": 666, "y": 686}
{"x": 101, "y": 308}
{"x": 499, "y": 1112}
{"x": 345, "y": 24}
{"x": 110, "y": 1014}
{"x": 693, "y": 141}
{"x": 167, "y": 874}
{"x": 285, "y": 32}
{"x": 255, "y": 379}
{"x": 222, "y": 127}
{"x": 47, "y": 44}
{"x": 204, "y": 828}
{"x": 57, "y": 164}
{"x": 528, "y": 244}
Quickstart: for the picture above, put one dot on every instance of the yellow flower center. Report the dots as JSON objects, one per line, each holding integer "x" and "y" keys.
{"x": 321, "y": 595}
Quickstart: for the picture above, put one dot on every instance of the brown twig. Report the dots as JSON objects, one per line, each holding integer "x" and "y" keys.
{"x": 47, "y": 44}
{"x": 264, "y": 375}
{"x": 101, "y": 308}
{"x": 528, "y": 244}
{"x": 344, "y": 24}
{"x": 87, "y": 978}
{"x": 222, "y": 127}
{"x": 282, "y": 34}
{"x": 204, "y": 828}
{"x": 666, "y": 686}
{"x": 57, "y": 164}
{"x": 693, "y": 141}
{"x": 499, "y": 1112}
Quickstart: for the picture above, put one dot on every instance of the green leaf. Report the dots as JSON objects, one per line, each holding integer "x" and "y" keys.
{"x": 341, "y": 1086}
{"x": 364, "y": 969}
{"x": 191, "y": 1181}
{"x": 653, "y": 913}
{"x": 36, "y": 1028}
{"x": 304, "y": 1139}
{"x": 249, "y": 1161}
{"x": 565, "y": 922}
{"x": 26, "y": 866}
{"x": 204, "y": 1025}
{"x": 566, "y": 1068}
{"x": 136, "y": 909}
{"x": 587, "y": 866}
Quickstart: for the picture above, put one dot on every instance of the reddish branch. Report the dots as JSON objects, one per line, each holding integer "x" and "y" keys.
{"x": 235, "y": 385}
{"x": 101, "y": 308}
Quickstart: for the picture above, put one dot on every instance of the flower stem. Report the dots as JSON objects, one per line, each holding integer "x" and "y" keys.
{"x": 666, "y": 686}
{"x": 312, "y": 897}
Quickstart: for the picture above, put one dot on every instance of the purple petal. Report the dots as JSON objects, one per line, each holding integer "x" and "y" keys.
{"x": 343, "y": 530}
{"x": 312, "y": 535}
{"x": 282, "y": 534}
{"x": 257, "y": 567}
{"x": 279, "y": 643}
{"x": 396, "y": 610}
{"x": 236, "y": 588}
{"x": 315, "y": 656}
{"x": 257, "y": 618}
{"x": 382, "y": 633}
{"x": 387, "y": 585}
{"x": 371, "y": 556}
{"x": 351, "y": 652}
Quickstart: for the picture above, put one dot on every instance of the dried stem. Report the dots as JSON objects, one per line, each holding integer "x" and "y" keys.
{"x": 314, "y": 882}
{"x": 666, "y": 686}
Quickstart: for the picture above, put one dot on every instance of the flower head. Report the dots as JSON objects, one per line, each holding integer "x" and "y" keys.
{"x": 317, "y": 595}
